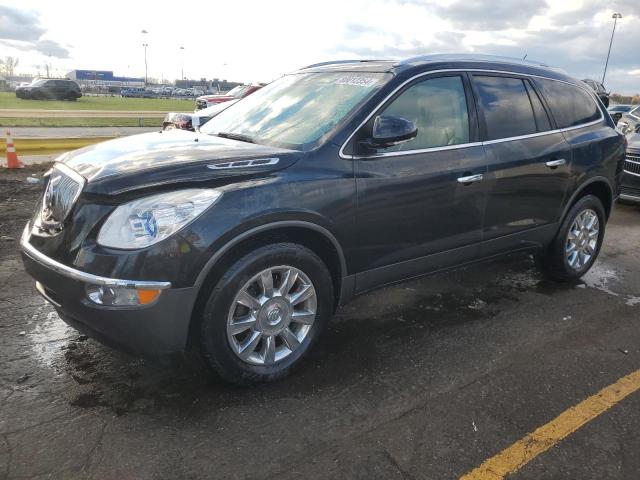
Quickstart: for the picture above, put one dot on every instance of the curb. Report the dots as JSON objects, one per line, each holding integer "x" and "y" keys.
{"x": 37, "y": 145}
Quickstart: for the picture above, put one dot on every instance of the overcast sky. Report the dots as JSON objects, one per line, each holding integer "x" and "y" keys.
{"x": 258, "y": 40}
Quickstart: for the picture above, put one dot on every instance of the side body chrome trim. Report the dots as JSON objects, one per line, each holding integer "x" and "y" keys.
{"x": 74, "y": 274}
{"x": 629, "y": 198}
{"x": 463, "y": 145}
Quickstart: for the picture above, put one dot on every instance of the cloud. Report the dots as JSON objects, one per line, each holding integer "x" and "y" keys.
{"x": 490, "y": 14}
{"x": 21, "y": 29}
{"x": 18, "y": 24}
{"x": 45, "y": 47}
{"x": 52, "y": 49}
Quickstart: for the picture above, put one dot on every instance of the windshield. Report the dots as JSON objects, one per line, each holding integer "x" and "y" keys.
{"x": 296, "y": 111}
{"x": 635, "y": 112}
{"x": 237, "y": 91}
{"x": 39, "y": 81}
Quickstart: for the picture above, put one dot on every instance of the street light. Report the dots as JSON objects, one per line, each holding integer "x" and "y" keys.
{"x": 615, "y": 17}
{"x": 182, "y": 66}
{"x": 145, "y": 45}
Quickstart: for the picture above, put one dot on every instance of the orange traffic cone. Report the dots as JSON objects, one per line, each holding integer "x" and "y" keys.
{"x": 12, "y": 156}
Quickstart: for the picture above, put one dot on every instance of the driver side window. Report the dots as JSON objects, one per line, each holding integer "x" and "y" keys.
{"x": 438, "y": 108}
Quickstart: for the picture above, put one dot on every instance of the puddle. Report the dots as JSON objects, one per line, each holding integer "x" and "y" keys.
{"x": 632, "y": 301}
{"x": 604, "y": 279}
{"x": 601, "y": 278}
{"x": 49, "y": 336}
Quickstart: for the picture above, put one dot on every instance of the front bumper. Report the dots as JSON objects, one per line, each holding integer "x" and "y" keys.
{"x": 158, "y": 329}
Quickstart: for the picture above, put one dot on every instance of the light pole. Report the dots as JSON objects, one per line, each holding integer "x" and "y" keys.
{"x": 145, "y": 45}
{"x": 182, "y": 65}
{"x": 615, "y": 17}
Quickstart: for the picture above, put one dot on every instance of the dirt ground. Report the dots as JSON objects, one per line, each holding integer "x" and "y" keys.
{"x": 423, "y": 380}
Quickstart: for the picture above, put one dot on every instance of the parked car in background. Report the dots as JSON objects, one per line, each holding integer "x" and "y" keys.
{"x": 245, "y": 236}
{"x": 136, "y": 92}
{"x": 238, "y": 92}
{"x": 630, "y": 188}
{"x": 599, "y": 89}
{"x": 616, "y": 111}
{"x": 191, "y": 121}
{"x": 630, "y": 122}
{"x": 50, "y": 89}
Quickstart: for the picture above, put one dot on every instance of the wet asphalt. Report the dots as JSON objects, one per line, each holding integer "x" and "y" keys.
{"x": 423, "y": 380}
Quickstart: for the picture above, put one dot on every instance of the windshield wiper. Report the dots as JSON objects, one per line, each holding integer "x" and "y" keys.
{"x": 236, "y": 136}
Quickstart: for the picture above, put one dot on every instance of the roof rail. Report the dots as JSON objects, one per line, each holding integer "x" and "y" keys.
{"x": 338, "y": 62}
{"x": 471, "y": 57}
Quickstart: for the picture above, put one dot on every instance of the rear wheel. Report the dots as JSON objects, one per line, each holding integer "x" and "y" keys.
{"x": 265, "y": 313}
{"x": 578, "y": 242}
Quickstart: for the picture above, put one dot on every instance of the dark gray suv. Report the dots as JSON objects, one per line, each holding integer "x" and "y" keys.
{"x": 244, "y": 237}
{"x": 50, "y": 89}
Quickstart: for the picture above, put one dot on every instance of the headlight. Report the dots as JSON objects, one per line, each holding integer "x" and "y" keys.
{"x": 151, "y": 219}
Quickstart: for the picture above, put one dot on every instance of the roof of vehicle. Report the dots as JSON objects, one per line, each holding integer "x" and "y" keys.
{"x": 443, "y": 61}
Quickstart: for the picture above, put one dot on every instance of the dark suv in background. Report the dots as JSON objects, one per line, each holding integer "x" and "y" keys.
{"x": 50, "y": 89}
{"x": 597, "y": 87}
{"x": 244, "y": 237}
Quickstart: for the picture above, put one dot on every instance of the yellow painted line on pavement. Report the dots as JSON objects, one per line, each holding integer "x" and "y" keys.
{"x": 523, "y": 451}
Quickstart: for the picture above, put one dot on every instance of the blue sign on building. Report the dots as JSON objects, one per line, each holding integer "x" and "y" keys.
{"x": 103, "y": 75}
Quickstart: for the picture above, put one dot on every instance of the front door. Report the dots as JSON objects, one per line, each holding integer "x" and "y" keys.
{"x": 423, "y": 197}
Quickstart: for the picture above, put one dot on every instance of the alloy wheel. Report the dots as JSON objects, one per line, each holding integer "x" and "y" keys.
{"x": 271, "y": 315}
{"x": 582, "y": 239}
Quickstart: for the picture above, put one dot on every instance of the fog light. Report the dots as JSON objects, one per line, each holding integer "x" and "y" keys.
{"x": 120, "y": 296}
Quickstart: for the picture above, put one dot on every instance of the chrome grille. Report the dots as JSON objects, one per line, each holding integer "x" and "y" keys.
{"x": 632, "y": 164}
{"x": 61, "y": 191}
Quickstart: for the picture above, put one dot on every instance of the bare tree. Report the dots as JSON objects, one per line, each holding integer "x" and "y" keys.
{"x": 8, "y": 65}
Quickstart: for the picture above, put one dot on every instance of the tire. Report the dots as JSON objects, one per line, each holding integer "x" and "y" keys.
{"x": 220, "y": 348}
{"x": 556, "y": 263}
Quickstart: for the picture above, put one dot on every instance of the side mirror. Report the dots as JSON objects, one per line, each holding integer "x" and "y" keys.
{"x": 389, "y": 130}
{"x": 638, "y": 128}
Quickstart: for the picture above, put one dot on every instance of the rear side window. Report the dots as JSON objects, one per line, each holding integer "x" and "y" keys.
{"x": 542, "y": 119}
{"x": 438, "y": 107}
{"x": 506, "y": 106}
{"x": 570, "y": 105}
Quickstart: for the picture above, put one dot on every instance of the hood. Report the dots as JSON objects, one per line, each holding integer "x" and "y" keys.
{"x": 172, "y": 156}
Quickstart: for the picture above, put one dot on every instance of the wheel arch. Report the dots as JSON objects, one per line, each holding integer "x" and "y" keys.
{"x": 311, "y": 235}
{"x": 598, "y": 186}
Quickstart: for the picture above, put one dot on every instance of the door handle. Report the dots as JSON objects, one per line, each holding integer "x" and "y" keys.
{"x": 470, "y": 179}
{"x": 555, "y": 163}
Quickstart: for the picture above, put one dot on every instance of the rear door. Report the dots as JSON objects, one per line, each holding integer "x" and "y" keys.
{"x": 412, "y": 204}
{"x": 528, "y": 163}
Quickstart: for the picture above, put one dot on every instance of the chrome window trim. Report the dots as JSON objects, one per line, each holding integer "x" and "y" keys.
{"x": 81, "y": 276}
{"x": 464, "y": 145}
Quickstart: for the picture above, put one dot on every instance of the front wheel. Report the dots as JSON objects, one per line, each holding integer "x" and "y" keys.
{"x": 577, "y": 244}
{"x": 265, "y": 313}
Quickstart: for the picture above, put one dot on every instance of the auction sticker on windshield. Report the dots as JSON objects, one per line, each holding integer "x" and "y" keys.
{"x": 357, "y": 81}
